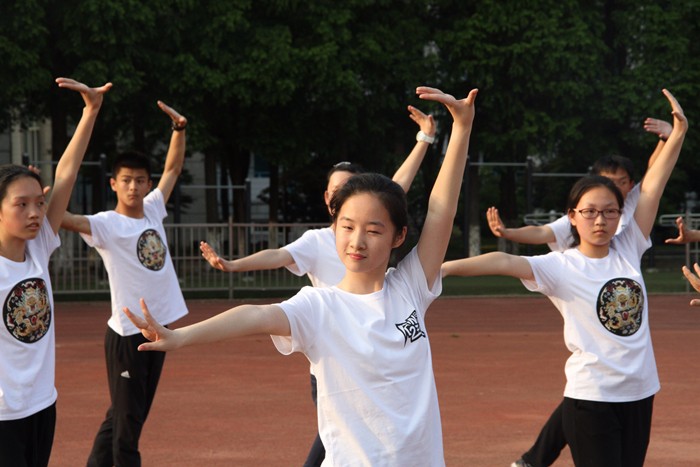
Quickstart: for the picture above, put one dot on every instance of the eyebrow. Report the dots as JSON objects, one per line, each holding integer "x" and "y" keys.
{"x": 348, "y": 219}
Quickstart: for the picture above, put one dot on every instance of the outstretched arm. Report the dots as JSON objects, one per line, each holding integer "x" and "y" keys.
{"x": 685, "y": 235}
{"x": 694, "y": 281}
{"x": 490, "y": 264}
{"x": 175, "y": 158}
{"x": 76, "y": 223}
{"x": 407, "y": 172}
{"x": 262, "y": 260}
{"x": 658, "y": 174}
{"x": 530, "y": 234}
{"x": 244, "y": 320}
{"x": 69, "y": 164}
{"x": 442, "y": 205}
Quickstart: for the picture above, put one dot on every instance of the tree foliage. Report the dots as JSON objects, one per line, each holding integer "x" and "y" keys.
{"x": 303, "y": 85}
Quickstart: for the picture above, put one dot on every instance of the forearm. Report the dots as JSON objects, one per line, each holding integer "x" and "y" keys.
{"x": 174, "y": 162}
{"x": 175, "y": 158}
{"x": 405, "y": 175}
{"x": 68, "y": 166}
{"x": 530, "y": 234}
{"x": 262, "y": 260}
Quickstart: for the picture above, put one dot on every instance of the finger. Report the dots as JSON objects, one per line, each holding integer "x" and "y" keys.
{"x": 674, "y": 102}
{"x": 695, "y": 302}
{"x": 46, "y": 190}
{"x": 137, "y": 320}
{"x": 104, "y": 88}
{"x": 697, "y": 268}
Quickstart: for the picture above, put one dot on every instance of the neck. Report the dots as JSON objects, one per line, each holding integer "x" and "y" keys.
{"x": 361, "y": 283}
{"x": 594, "y": 251}
{"x": 13, "y": 249}
{"x": 133, "y": 212}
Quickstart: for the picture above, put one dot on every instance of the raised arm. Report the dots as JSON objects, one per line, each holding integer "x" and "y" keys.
{"x": 244, "y": 320}
{"x": 530, "y": 234}
{"x": 658, "y": 174}
{"x": 407, "y": 172}
{"x": 262, "y": 260}
{"x": 490, "y": 264}
{"x": 442, "y": 204}
{"x": 175, "y": 158}
{"x": 69, "y": 164}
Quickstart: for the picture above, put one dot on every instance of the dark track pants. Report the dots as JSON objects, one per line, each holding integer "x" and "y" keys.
{"x": 133, "y": 378}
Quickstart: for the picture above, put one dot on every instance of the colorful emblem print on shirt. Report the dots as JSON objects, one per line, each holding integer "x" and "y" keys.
{"x": 151, "y": 250}
{"x": 27, "y": 311}
{"x": 620, "y": 306}
{"x": 411, "y": 328}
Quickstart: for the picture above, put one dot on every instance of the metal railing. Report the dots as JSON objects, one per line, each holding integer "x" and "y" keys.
{"x": 77, "y": 269}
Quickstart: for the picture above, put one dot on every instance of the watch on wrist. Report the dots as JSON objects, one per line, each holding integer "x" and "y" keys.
{"x": 176, "y": 127}
{"x": 420, "y": 136}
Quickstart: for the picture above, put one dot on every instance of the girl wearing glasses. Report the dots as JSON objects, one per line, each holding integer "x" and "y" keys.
{"x": 598, "y": 288}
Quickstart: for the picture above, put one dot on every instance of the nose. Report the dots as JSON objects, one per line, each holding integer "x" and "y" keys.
{"x": 357, "y": 240}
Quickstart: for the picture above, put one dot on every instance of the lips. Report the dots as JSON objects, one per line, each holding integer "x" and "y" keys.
{"x": 356, "y": 256}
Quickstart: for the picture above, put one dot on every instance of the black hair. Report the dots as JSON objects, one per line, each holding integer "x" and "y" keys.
{"x": 612, "y": 164}
{"x": 11, "y": 172}
{"x": 344, "y": 167}
{"x": 583, "y": 186}
{"x": 131, "y": 160}
{"x": 388, "y": 191}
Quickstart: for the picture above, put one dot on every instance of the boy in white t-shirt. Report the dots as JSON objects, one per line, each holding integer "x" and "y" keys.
{"x": 132, "y": 243}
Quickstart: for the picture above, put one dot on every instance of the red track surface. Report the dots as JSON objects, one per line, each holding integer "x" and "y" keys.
{"x": 498, "y": 365}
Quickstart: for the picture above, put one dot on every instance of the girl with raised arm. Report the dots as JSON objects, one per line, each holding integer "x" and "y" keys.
{"x": 365, "y": 337}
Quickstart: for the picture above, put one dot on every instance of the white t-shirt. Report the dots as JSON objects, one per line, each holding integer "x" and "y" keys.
{"x": 135, "y": 255}
{"x": 562, "y": 226}
{"x": 314, "y": 254}
{"x": 606, "y": 318}
{"x": 377, "y": 402}
{"x": 27, "y": 339}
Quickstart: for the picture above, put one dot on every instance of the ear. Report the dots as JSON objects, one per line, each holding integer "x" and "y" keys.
{"x": 400, "y": 238}
{"x": 572, "y": 216}
{"x": 113, "y": 183}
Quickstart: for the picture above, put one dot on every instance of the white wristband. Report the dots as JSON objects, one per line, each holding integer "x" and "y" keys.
{"x": 420, "y": 136}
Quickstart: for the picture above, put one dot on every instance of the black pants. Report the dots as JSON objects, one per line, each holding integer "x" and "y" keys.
{"x": 549, "y": 442}
{"x": 607, "y": 434}
{"x": 133, "y": 378}
{"x": 27, "y": 442}
{"x": 317, "y": 452}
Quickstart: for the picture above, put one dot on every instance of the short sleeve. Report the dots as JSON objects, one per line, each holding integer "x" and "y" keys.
{"x": 304, "y": 251}
{"x": 303, "y": 323}
{"x": 410, "y": 279}
{"x": 562, "y": 234}
{"x": 154, "y": 202}
{"x": 547, "y": 269}
{"x": 99, "y": 228}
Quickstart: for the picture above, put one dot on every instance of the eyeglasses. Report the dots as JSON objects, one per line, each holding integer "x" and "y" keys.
{"x": 591, "y": 213}
{"x": 341, "y": 164}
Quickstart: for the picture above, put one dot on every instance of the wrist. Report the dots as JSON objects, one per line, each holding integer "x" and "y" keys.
{"x": 420, "y": 136}
{"x": 663, "y": 137}
{"x": 178, "y": 126}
